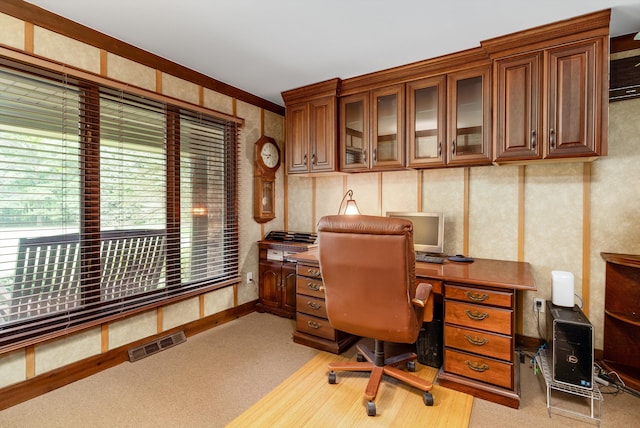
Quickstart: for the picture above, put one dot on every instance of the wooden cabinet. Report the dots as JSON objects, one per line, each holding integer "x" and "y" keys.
{"x": 479, "y": 335}
{"x": 312, "y": 326}
{"x": 311, "y": 123}
{"x": 622, "y": 317}
{"x": 277, "y": 277}
{"x": 372, "y": 130}
{"x": 449, "y": 119}
{"x": 550, "y": 91}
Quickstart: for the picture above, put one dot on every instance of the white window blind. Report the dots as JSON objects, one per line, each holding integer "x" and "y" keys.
{"x": 109, "y": 203}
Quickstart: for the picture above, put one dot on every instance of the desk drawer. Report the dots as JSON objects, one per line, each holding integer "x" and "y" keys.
{"x": 479, "y": 342}
{"x": 483, "y": 369}
{"x": 479, "y": 295}
{"x": 314, "y": 326}
{"x": 477, "y": 316}
{"x": 310, "y": 287}
{"x": 311, "y": 305}
{"x": 310, "y": 271}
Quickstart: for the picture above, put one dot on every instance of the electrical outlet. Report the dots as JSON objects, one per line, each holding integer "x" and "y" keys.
{"x": 249, "y": 277}
{"x": 538, "y": 304}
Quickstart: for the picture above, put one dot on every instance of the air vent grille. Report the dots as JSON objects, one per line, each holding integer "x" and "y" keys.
{"x": 142, "y": 351}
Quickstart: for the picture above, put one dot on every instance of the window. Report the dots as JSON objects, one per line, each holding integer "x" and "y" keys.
{"x": 109, "y": 203}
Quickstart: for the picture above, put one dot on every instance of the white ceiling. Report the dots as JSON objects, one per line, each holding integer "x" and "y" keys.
{"x": 267, "y": 46}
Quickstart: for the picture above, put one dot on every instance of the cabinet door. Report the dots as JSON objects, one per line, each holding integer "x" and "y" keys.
{"x": 289, "y": 287}
{"x": 297, "y": 154}
{"x": 573, "y": 99}
{"x": 387, "y": 148}
{"x": 269, "y": 287}
{"x": 518, "y": 107}
{"x": 426, "y": 107}
{"x": 354, "y": 132}
{"x": 469, "y": 117}
{"x": 322, "y": 134}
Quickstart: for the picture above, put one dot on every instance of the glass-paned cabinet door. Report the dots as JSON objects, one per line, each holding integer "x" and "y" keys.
{"x": 388, "y": 143}
{"x": 354, "y": 128}
{"x": 470, "y": 116}
{"x": 426, "y": 106}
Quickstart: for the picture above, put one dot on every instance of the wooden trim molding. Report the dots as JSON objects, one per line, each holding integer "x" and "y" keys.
{"x": 41, "y": 384}
{"x": 50, "y": 21}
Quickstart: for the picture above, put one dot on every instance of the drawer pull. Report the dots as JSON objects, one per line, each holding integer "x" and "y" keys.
{"x": 315, "y": 287}
{"x": 475, "y": 315}
{"x": 314, "y": 324}
{"x": 314, "y": 305}
{"x": 476, "y": 297}
{"x": 475, "y": 340}
{"x": 314, "y": 272}
{"x": 477, "y": 367}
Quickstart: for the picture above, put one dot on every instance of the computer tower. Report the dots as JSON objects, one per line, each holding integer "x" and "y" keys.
{"x": 429, "y": 344}
{"x": 570, "y": 343}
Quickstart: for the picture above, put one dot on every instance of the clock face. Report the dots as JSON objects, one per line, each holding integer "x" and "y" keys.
{"x": 269, "y": 155}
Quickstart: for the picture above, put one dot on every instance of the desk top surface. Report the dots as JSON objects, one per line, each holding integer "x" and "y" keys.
{"x": 487, "y": 272}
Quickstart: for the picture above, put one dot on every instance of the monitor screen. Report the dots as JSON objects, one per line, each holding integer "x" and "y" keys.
{"x": 428, "y": 230}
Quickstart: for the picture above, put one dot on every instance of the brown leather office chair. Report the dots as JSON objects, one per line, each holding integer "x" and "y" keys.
{"x": 368, "y": 270}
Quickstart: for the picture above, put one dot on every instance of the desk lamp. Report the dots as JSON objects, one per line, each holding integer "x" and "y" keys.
{"x": 351, "y": 208}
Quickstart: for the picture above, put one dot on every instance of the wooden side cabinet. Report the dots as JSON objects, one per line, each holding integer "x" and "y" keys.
{"x": 622, "y": 317}
{"x": 277, "y": 277}
{"x": 311, "y": 121}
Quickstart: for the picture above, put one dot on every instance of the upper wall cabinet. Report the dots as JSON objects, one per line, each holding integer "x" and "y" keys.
{"x": 311, "y": 123}
{"x": 550, "y": 94}
{"x": 449, "y": 118}
{"x": 372, "y": 129}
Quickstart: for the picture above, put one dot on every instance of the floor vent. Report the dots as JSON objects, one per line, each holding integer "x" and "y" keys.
{"x": 139, "y": 352}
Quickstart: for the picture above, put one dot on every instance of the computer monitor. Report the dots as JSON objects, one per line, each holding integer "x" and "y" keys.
{"x": 428, "y": 230}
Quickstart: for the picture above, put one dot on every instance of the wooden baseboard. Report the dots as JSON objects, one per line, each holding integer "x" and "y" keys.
{"x": 41, "y": 384}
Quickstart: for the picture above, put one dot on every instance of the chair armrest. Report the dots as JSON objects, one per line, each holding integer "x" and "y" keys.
{"x": 422, "y": 295}
{"x": 424, "y": 300}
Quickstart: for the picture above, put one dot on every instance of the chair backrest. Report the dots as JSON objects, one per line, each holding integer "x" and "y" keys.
{"x": 368, "y": 270}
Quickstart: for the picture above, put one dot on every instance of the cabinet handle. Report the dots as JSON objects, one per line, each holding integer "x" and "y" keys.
{"x": 313, "y": 159}
{"x": 552, "y": 138}
{"x": 364, "y": 156}
{"x": 440, "y": 149}
{"x": 453, "y": 147}
{"x": 313, "y": 305}
{"x": 477, "y": 367}
{"x": 533, "y": 139}
{"x": 475, "y": 340}
{"x": 313, "y": 324}
{"x": 315, "y": 287}
{"x": 313, "y": 272}
{"x": 475, "y": 315}
{"x": 476, "y": 297}
{"x": 304, "y": 159}
{"x": 375, "y": 155}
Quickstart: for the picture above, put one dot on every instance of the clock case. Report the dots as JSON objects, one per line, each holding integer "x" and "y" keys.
{"x": 264, "y": 183}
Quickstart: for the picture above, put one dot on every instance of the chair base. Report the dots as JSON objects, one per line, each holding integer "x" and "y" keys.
{"x": 378, "y": 365}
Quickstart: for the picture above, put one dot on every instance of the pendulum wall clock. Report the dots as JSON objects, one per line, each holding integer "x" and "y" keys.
{"x": 265, "y": 165}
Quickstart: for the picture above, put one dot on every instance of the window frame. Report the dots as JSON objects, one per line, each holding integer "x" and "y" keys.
{"x": 27, "y": 332}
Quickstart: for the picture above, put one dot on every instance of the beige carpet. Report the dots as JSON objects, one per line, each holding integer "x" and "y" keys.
{"x": 217, "y": 375}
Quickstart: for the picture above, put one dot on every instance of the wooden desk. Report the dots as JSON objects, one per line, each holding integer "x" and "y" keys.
{"x": 479, "y": 322}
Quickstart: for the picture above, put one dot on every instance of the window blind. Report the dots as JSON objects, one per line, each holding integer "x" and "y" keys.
{"x": 109, "y": 203}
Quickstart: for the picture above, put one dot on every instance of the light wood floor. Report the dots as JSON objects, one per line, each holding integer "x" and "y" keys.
{"x": 306, "y": 399}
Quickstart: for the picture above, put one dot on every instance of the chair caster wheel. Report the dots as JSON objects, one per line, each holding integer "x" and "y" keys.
{"x": 332, "y": 378}
{"x": 371, "y": 408}
{"x": 360, "y": 358}
{"x": 411, "y": 366}
{"x": 427, "y": 398}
